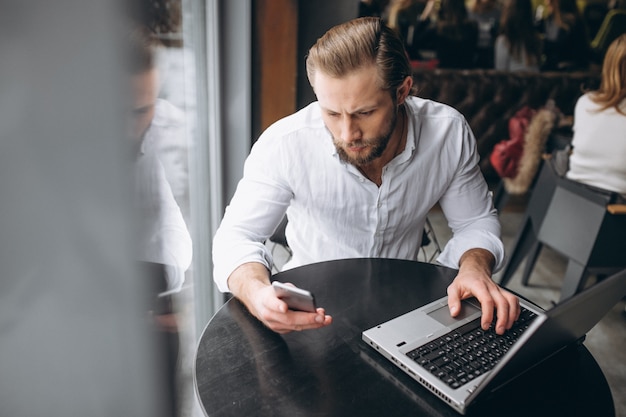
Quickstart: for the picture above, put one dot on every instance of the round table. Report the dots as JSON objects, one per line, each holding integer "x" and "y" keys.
{"x": 244, "y": 369}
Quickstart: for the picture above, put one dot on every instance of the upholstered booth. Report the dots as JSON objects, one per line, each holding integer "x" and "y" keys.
{"x": 489, "y": 98}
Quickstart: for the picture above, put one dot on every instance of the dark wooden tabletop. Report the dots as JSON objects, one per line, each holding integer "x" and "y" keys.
{"x": 244, "y": 369}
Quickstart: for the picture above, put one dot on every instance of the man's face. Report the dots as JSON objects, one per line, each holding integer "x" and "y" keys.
{"x": 145, "y": 88}
{"x": 359, "y": 115}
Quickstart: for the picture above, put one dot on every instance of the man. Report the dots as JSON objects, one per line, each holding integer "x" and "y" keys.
{"x": 158, "y": 125}
{"x": 156, "y": 131}
{"x": 155, "y": 127}
{"x": 357, "y": 172}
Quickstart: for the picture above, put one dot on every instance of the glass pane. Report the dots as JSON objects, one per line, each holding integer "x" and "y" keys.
{"x": 165, "y": 124}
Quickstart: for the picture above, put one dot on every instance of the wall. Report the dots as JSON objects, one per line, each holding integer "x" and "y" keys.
{"x": 315, "y": 18}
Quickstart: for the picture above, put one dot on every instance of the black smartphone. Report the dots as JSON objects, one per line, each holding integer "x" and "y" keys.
{"x": 296, "y": 298}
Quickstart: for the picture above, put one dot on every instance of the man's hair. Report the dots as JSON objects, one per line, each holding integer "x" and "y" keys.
{"x": 357, "y": 44}
{"x": 141, "y": 50}
{"x": 612, "y": 91}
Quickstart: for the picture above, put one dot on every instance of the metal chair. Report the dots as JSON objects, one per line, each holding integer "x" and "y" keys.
{"x": 613, "y": 25}
{"x": 430, "y": 248}
{"x": 582, "y": 223}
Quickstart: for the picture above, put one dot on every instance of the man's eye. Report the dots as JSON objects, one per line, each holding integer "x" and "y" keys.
{"x": 141, "y": 111}
{"x": 365, "y": 113}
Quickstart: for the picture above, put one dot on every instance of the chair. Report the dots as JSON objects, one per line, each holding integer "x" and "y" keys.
{"x": 430, "y": 247}
{"x": 278, "y": 238}
{"x": 582, "y": 223}
{"x": 613, "y": 25}
{"x": 593, "y": 15}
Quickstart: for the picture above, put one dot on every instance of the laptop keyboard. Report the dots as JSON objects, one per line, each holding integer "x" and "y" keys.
{"x": 469, "y": 351}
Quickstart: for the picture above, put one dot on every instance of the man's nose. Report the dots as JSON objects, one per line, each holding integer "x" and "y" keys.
{"x": 349, "y": 130}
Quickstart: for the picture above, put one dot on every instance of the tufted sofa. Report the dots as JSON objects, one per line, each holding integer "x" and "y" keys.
{"x": 488, "y": 98}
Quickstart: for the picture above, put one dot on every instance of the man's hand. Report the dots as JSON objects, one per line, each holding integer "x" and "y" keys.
{"x": 250, "y": 283}
{"x": 474, "y": 279}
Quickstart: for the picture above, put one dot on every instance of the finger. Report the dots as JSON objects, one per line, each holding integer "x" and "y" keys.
{"x": 322, "y": 321}
{"x": 503, "y": 314}
{"x": 296, "y": 321}
{"x": 281, "y": 306}
{"x": 487, "y": 305}
{"x": 514, "y": 308}
{"x": 454, "y": 300}
{"x": 322, "y": 317}
{"x": 273, "y": 313}
{"x": 508, "y": 310}
{"x": 308, "y": 321}
{"x": 265, "y": 302}
{"x": 518, "y": 308}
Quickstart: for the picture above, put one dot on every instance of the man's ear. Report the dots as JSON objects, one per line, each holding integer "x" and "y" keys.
{"x": 404, "y": 89}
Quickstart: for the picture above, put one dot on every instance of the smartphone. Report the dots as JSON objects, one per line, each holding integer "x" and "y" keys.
{"x": 296, "y": 298}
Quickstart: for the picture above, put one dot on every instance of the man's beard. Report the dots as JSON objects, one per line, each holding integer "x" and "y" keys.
{"x": 377, "y": 146}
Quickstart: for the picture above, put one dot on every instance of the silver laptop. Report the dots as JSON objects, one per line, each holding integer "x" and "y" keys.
{"x": 458, "y": 361}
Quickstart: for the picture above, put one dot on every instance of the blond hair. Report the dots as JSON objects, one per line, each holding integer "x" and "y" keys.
{"x": 612, "y": 89}
{"x": 358, "y": 44}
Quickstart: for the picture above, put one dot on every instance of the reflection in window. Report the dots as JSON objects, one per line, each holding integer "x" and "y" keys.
{"x": 203, "y": 60}
{"x": 167, "y": 87}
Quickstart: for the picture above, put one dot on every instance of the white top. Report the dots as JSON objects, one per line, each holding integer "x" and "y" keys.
{"x": 167, "y": 137}
{"x": 599, "y": 146}
{"x": 163, "y": 235}
{"x": 505, "y": 61}
{"x": 176, "y": 66}
{"x": 335, "y": 212}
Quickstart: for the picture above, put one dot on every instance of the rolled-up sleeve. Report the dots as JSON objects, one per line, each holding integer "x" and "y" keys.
{"x": 259, "y": 204}
{"x": 468, "y": 206}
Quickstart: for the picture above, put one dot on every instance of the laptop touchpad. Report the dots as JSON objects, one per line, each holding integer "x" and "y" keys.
{"x": 442, "y": 314}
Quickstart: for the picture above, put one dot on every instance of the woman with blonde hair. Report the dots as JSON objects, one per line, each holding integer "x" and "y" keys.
{"x": 599, "y": 143}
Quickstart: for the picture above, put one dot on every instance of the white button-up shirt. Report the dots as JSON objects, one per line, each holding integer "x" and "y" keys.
{"x": 167, "y": 138}
{"x": 335, "y": 212}
{"x": 162, "y": 194}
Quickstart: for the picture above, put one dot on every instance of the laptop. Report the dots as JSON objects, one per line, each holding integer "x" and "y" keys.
{"x": 459, "y": 362}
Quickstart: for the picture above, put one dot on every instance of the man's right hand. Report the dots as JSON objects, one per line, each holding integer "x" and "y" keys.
{"x": 251, "y": 285}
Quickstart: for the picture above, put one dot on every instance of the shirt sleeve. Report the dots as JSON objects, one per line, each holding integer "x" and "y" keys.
{"x": 468, "y": 207}
{"x": 164, "y": 237}
{"x": 256, "y": 209}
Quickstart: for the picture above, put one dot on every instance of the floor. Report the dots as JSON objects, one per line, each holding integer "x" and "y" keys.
{"x": 606, "y": 340}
